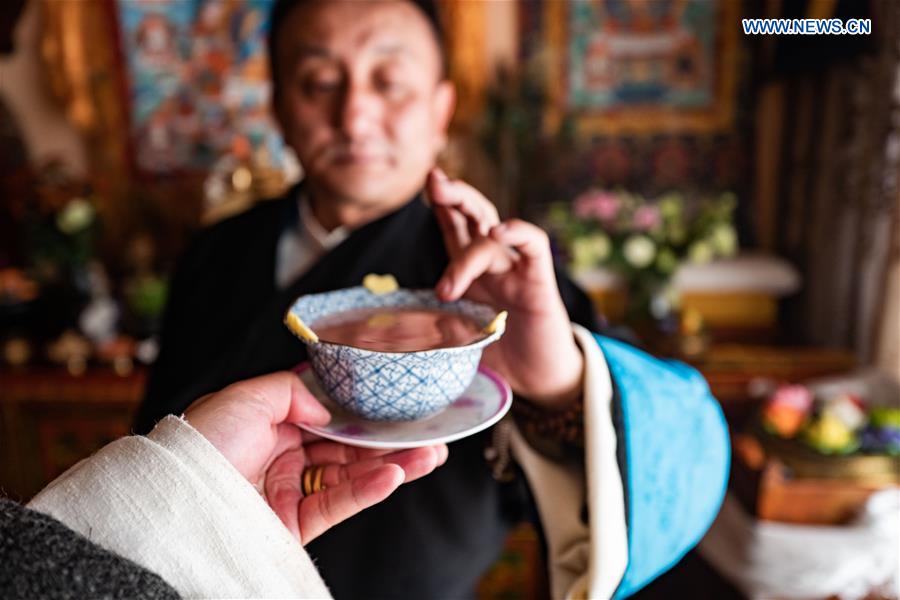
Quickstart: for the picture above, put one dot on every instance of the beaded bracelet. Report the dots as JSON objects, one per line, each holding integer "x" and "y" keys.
{"x": 565, "y": 426}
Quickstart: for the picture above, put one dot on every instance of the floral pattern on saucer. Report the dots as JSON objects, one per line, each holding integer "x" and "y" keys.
{"x": 482, "y": 404}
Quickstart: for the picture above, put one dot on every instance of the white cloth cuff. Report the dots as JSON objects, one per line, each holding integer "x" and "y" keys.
{"x": 585, "y": 560}
{"x": 173, "y": 504}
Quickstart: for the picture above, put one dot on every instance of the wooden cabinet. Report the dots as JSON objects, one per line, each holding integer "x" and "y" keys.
{"x": 49, "y": 420}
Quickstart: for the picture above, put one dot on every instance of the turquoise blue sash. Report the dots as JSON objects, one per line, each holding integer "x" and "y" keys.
{"x": 677, "y": 454}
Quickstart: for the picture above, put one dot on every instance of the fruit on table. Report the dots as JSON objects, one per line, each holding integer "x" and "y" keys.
{"x": 830, "y": 435}
{"x": 787, "y": 410}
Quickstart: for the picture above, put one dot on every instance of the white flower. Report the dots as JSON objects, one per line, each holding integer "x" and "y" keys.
{"x": 600, "y": 245}
{"x": 639, "y": 251}
{"x": 700, "y": 252}
{"x": 724, "y": 239}
{"x": 591, "y": 250}
{"x": 76, "y": 216}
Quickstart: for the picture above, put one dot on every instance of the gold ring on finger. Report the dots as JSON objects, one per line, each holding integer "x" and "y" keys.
{"x": 311, "y": 479}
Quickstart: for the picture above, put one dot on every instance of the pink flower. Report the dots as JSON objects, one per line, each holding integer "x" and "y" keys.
{"x": 646, "y": 218}
{"x": 797, "y": 397}
{"x": 597, "y": 204}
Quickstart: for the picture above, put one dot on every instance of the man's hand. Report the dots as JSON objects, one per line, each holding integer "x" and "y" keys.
{"x": 509, "y": 265}
{"x": 253, "y": 424}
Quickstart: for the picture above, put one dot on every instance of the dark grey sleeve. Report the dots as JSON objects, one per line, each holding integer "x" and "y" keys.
{"x": 42, "y": 558}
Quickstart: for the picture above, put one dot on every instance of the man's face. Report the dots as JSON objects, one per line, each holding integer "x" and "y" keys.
{"x": 360, "y": 98}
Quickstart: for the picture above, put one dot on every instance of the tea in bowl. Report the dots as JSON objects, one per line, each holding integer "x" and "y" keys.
{"x": 395, "y": 355}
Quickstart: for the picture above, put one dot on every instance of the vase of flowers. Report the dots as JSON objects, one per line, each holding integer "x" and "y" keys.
{"x": 645, "y": 241}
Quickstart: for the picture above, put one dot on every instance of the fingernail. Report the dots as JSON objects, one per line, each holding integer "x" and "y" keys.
{"x": 498, "y": 228}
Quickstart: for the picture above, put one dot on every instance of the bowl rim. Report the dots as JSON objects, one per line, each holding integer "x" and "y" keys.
{"x": 475, "y": 345}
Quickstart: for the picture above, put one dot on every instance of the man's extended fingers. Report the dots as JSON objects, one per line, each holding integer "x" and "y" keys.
{"x": 325, "y": 509}
{"x": 480, "y": 213}
{"x": 530, "y": 241}
{"x": 453, "y": 229}
{"x": 484, "y": 255}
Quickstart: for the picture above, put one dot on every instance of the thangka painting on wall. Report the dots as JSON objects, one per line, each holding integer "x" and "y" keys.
{"x": 196, "y": 78}
{"x": 643, "y": 66}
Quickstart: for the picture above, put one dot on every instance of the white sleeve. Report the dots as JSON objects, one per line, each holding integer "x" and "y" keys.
{"x": 173, "y": 504}
{"x": 586, "y": 560}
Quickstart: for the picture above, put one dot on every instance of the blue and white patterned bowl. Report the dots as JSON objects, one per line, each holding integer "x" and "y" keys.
{"x": 390, "y": 386}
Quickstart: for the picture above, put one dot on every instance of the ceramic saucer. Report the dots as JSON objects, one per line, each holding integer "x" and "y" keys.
{"x": 483, "y": 403}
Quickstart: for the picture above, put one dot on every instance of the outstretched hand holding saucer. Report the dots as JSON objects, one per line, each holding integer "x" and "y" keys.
{"x": 253, "y": 423}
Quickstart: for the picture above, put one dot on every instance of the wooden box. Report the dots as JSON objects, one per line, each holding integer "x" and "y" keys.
{"x": 767, "y": 489}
